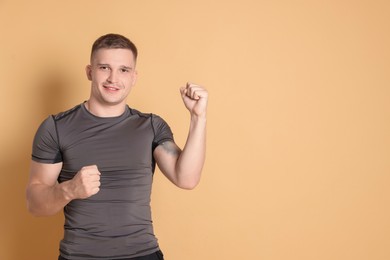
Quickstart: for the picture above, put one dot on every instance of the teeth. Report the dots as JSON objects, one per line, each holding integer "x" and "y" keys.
{"x": 111, "y": 88}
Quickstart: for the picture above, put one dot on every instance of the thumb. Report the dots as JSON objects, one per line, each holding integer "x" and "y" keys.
{"x": 183, "y": 91}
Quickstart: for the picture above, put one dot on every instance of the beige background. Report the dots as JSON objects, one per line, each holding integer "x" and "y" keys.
{"x": 298, "y": 142}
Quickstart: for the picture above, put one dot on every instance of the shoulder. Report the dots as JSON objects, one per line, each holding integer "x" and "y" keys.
{"x": 48, "y": 128}
{"x": 135, "y": 112}
{"x": 151, "y": 116}
{"x": 66, "y": 113}
{"x": 158, "y": 124}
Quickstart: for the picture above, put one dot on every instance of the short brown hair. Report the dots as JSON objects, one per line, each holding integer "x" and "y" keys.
{"x": 114, "y": 41}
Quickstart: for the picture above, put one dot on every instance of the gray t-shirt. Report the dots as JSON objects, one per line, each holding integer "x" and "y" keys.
{"x": 116, "y": 222}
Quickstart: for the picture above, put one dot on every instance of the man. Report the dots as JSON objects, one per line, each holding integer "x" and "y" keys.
{"x": 96, "y": 161}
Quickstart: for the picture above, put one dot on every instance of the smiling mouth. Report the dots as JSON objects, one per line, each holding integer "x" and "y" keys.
{"x": 111, "y": 88}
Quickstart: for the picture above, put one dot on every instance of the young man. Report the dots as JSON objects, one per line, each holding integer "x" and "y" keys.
{"x": 96, "y": 161}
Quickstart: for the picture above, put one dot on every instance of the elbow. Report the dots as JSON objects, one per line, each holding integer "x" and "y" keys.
{"x": 30, "y": 205}
{"x": 34, "y": 213}
{"x": 188, "y": 185}
{"x": 37, "y": 212}
{"x": 33, "y": 210}
{"x": 188, "y": 180}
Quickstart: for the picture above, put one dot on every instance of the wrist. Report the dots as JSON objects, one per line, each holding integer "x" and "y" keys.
{"x": 198, "y": 119}
{"x": 65, "y": 190}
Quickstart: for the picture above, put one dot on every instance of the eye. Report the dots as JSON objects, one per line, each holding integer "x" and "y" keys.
{"x": 104, "y": 67}
{"x": 124, "y": 70}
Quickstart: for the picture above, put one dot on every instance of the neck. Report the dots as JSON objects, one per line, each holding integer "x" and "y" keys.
{"x": 104, "y": 111}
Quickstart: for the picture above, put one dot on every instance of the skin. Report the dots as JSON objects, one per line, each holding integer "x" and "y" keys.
{"x": 113, "y": 74}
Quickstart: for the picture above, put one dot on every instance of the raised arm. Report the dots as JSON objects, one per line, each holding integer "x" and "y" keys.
{"x": 184, "y": 167}
{"x": 45, "y": 196}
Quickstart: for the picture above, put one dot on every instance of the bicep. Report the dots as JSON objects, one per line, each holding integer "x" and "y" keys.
{"x": 166, "y": 156}
{"x": 44, "y": 173}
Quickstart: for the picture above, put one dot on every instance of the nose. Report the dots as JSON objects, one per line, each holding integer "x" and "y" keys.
{"x": 112, "y": 77}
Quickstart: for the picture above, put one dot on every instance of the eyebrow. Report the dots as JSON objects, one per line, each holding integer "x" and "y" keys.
{"x": 126, "y": 67}
{"x": 108, "y": 65}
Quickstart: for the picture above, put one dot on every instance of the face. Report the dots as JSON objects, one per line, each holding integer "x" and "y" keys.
{"x": 112, "y": 75}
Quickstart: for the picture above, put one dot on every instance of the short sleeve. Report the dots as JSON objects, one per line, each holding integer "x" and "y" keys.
{"x": 162, "y": 131}
{"x": 45, "y": 145}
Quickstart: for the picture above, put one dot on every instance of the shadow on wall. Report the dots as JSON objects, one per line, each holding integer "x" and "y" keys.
{"x": 22, "y": 235}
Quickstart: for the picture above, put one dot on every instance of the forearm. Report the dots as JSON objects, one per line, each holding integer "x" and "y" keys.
{"x": 184, "y": 167}
{"x": 191, "y": 160}
{"x": 44, "y": 200}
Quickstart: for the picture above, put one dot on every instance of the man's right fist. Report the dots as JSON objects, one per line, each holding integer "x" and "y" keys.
{"x": 86, "y": 182}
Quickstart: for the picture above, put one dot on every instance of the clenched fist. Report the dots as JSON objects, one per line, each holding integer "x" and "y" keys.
{"x": 85, "y": 183}
{"x": 195, "y": 99}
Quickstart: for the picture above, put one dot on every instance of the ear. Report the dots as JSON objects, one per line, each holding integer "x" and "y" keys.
{"x": 88, "y": 71}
